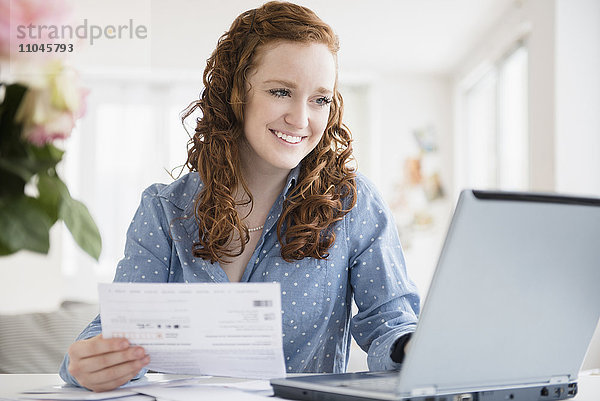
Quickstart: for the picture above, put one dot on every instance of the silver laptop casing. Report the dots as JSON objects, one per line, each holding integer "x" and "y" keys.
{"x": 516, "y": 296}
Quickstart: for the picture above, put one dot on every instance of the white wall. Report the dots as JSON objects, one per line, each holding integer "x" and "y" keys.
{"x": 564, "y": 45}
{"x": 542, "y": 91}
{"x": 33, "y": 282}
{"x": 565, "y": 95}
{"x": 577, "y": 96}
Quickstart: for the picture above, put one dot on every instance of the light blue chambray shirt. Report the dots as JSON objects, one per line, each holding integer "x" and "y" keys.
{"x": 366, "y": 261}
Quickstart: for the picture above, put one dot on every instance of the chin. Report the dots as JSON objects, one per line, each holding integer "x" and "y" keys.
{"x": 286, "y": 166}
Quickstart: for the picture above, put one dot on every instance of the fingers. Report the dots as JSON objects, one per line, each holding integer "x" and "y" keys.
{"x": 97, "y": 345}
{"x": 104, "y": 364}
{"x": 99, "y": 362}
{"x": 114, "y": 376}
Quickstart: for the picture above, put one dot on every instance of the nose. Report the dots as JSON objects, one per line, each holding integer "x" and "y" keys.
{"x": 297, "y": 115}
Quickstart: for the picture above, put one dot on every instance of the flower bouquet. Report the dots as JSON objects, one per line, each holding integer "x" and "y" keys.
{"x": 35, "y": 114}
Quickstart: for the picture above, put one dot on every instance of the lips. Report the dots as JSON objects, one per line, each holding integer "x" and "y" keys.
{"x": 287, "y": 137}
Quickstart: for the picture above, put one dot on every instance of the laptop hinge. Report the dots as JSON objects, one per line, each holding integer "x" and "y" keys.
{"x": 559, "y": 379}
{"x": 423, "y": 391}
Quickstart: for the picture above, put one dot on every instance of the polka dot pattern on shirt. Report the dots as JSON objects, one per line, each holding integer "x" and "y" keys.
{"x": 366, "y": 262}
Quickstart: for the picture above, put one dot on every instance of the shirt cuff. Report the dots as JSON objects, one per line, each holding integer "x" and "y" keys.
{"x": 398, "y": 349}
{"x": 379, "y": 356}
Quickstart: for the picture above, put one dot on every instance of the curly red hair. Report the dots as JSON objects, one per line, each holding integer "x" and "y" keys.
{"x": 326, "y": 188}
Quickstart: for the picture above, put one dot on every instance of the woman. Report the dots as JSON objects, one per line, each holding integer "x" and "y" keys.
{"x": 270, "y": 198}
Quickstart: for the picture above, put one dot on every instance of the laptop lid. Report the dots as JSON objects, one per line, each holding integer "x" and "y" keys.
{"x": 515, "y": 298}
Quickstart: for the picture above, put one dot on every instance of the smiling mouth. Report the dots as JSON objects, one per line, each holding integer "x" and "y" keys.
{"x": 285, "y": 137}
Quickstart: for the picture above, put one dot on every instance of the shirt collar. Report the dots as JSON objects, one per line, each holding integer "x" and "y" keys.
{"x": 181, "y": 193}
{"x": 292, "y": 179}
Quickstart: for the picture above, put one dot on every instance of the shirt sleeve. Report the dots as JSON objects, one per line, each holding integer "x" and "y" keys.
{"x": 148, "y": 244}
{"x": 92, "y": 329}
{"x": 146, "y": 259}
{"x": 387, "y": 300}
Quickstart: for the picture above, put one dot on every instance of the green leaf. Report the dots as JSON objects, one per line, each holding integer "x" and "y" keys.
{"x": 50, "y": 190}
{"x": 47, "y": 154}
{"x": 38, "y": 159}
{"x": 81, "y": 225}
{"x": 5, "y": 250}
{"x": 11, "y": 184}
{"x": 22, "y": 168}
{"x": 10, "y": 132}
{"x": 24, "y": 225}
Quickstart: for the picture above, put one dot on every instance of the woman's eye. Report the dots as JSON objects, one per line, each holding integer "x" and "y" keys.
{"x": 279, "y": 92}
{"x": 323, "y": 101}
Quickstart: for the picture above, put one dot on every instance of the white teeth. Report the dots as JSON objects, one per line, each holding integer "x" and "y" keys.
{"x": 287, "y": 138}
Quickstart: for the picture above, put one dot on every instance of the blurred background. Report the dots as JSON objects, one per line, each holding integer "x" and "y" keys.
{"x": 440, "y": 96}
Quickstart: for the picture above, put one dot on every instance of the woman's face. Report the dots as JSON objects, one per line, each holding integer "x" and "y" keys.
{"x": 287, "y": 104}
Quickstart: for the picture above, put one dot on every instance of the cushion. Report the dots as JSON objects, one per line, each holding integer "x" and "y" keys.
{"x": 37, "y": 342}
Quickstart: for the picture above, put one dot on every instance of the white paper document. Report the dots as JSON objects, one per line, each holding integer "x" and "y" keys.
{"x": 177, "y": 389}
{"x": 194, "y": 393}
{"x": 230, "y": 329}
{"x": 66, "y": 393}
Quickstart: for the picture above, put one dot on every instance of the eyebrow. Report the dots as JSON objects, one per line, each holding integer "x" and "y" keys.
{"x": 292, "y": 85}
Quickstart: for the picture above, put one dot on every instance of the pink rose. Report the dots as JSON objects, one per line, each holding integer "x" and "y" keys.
{"x": 15, "y": 13}
{"x": 51, "y": 104}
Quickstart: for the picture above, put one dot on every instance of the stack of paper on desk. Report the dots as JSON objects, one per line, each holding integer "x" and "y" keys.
{"x": 231, "y": 329}
{"x": 170, "y": 390}
{"x": 67, "y": 392}
{"x": 257, "y": 391}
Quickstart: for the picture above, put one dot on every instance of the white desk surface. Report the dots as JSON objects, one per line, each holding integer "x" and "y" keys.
{"x": 12, "y": 384}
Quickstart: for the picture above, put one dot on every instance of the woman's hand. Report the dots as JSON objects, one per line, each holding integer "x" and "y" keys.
{"x": 104, "y": 364}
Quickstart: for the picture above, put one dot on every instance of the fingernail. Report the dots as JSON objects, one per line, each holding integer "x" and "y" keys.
{"x": 146, "y": 359}
{"x": 124, "y": 344}
{"x": 139, "y": 352}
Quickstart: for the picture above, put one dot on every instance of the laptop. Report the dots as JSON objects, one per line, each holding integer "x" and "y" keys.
{"x": 510, "y": 312}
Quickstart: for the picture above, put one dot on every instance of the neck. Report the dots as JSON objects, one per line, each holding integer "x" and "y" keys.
{"x": 263, "y": 180}
{"x": 265, "y": 185}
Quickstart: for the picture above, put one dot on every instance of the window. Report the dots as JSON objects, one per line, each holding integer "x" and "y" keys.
{"x": 492, "y": 137}
{"x": 130, "y": 137}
